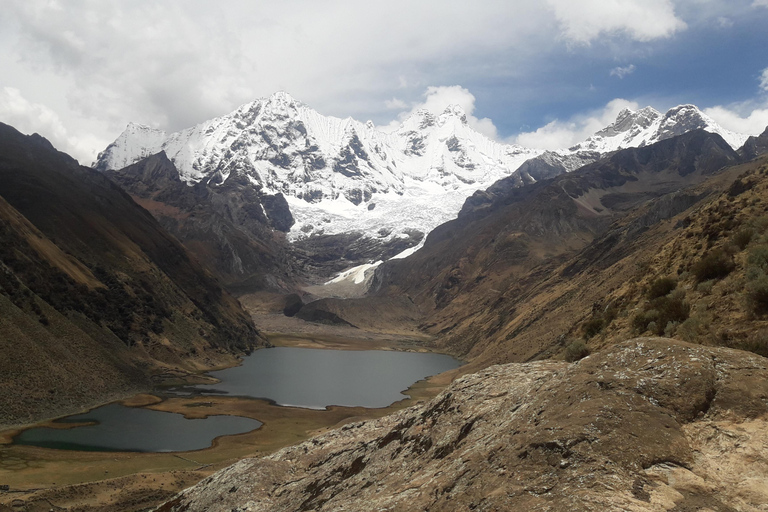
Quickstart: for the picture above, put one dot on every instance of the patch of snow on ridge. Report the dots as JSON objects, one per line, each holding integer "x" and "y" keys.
{"x": 354, "y": 274}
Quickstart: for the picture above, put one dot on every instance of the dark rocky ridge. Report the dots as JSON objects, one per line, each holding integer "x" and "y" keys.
{"x": 237, "y": 231}
{"x": 96, "y": 297}
{"x": 755, "y": 146}
{"x": 229, "y": 225}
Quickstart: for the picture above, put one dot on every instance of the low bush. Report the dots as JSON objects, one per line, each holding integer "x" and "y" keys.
{"x": 705, "y": 287}
{"x": 592, "y": 327}
{"x": 661, "y": 312}
{"x": 757, "y": 294}
{"x": 758, "y": 344}
{"x": 758, "y": 256}
{"x": 742, "y": 237}
{"x": 716, "y": 264}
{"x": 575, "y": 351}
{"x": 661, "y": 287}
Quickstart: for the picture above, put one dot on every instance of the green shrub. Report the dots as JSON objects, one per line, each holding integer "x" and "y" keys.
{"x": 757, "y": 294}
{"x": 742, "y": 237}
{"x": 716, "y": 264}
{"x": 661, "y": 287}
{"x": 757, "y": 344}
{"x": 575, "y": 351}
{"x": 690, "y": 330}
{"x": 671, "y": 329}
{"x": 641, "y": 321}
{"x": 592, "y": 327}
{"x": 705, "y": 288}
{"x": 758, "y": 256}
{"x": 661, "y": 312}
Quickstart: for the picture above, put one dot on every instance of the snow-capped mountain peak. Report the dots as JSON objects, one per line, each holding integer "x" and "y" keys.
{"x": 341, "y": 175}
{"x": 647, "y": 126}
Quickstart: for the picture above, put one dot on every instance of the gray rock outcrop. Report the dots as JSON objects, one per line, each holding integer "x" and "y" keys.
{"x": 650, "y": 424}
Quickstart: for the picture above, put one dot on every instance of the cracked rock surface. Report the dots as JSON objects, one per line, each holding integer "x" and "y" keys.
{"x": 649, "y": 424}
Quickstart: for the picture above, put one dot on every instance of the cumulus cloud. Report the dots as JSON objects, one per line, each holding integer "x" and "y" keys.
{"x": 560, "y": 134}
{"x": 29, "y": 117}
{"x": 750, "y": 117}
{"x": 175, "y": 63}
{"x": 621, "y": 72}
{"x": 642, "y": 20}
{"x": 752, "y": 122}
{"x": 437, "y": 98}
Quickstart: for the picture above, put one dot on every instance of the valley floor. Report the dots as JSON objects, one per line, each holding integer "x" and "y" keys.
{"x": 44, "y": 479}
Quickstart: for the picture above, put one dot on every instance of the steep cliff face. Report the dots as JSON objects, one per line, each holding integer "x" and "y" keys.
{"x": 755, "y": 146}
{"x": 234, "y": 229}
{"x": 651, "y": 424}
{"x": 96, "y": 296}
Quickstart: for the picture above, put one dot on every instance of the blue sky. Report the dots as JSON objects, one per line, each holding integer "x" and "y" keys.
{"x": 544, "y": 74}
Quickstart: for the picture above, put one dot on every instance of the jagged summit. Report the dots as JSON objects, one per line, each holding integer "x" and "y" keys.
{"x": 629, "y": 120}
{"x": 647, "y": 125}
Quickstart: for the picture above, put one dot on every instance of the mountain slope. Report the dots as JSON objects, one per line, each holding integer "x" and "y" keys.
{"x": 93, "y": 286}
{"x": 503, "y": 296}
{"x": 519, "y": 228}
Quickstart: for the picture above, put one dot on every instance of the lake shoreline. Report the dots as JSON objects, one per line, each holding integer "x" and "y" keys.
{"x": 55, "y": 471}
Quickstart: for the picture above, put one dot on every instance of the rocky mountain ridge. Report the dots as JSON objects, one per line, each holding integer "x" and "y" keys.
{"x": 526, "y": 273}
{"x": 341, "y": 176}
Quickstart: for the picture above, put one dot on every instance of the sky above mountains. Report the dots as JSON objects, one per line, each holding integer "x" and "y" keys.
{"x": 544, "y": 74}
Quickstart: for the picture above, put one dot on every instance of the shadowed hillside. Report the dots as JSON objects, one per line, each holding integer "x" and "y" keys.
{"x": 96, "y": 297}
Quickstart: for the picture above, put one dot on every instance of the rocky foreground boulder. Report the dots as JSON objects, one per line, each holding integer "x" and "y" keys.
{"x": 650, "y": 424}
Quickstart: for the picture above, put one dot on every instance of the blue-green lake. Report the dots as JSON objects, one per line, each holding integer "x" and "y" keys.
{"x": 287, "y": 376}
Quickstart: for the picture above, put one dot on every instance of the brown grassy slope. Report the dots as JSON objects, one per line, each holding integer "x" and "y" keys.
{"x": 482, "y": 275}
{"x": 91, "y": 277}
{"x": 603, "y": 294}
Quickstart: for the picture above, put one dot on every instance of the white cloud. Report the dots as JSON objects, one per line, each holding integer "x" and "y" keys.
{"x": 562, "y": 134}
{"x": 396, "y": 104}
{"x": 175, "y": 63}
{"x": 760, "y": 3}
{"x": 751, "y": 122}
{"x": 29, "y": 117}
{"x": 725, "y": 22}
{"x": 621, "y": 72}
{"x": 642, "y": 20}
{"x": 437, "y": 98}
{"x": 750, "y": 117}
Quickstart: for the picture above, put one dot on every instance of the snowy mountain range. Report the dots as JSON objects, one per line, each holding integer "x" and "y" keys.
{"x": 341, "y": 175}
